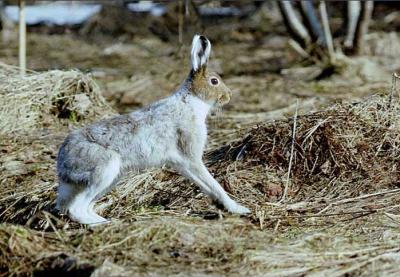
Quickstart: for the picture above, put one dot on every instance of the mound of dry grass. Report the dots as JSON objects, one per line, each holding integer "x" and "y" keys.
{"x": 350, "y": 148}
{"x": 40, "y": 99}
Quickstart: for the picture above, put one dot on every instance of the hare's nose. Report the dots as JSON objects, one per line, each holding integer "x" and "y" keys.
{"x": 229, "y": 92}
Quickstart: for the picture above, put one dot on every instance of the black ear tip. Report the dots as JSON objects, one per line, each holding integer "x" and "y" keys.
{"x": 203, "y": 38}
{"x": 204, "y": 41}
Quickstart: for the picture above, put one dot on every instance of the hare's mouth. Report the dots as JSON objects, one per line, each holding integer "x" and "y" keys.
{"x": 223, "y": 100}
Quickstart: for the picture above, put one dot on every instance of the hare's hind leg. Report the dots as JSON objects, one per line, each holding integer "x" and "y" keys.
{"x": 81, "y": 207}
{"x": 72, "y": 199}
{"x": 79, "y": 210}
{"x": 65, "y": 195}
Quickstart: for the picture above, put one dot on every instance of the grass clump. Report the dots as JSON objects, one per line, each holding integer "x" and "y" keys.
{"x": 38, "y": 99}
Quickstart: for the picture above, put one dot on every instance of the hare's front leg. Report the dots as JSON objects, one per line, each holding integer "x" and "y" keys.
{"x": 198, "y": 173}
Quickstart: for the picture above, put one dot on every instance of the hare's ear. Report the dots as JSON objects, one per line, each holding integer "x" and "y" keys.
{"x": 201, "y": 48}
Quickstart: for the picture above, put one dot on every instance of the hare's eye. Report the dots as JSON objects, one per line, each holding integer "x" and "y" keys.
{"x": 214, "y": 81}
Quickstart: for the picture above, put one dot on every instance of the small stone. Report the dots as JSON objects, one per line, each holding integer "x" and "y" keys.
{"x": 14, "y": 168}
{"x": 82, "y": 103}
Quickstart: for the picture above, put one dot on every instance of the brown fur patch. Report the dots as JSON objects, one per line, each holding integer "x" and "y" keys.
{"x": 183, "y": 146}
{"x": 201, "y": 87}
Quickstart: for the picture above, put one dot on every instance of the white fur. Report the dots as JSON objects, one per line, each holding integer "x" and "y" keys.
{"x": 81, "y": 208}
{"x": 200, "y": 108}
{"x": 197, "y": 47}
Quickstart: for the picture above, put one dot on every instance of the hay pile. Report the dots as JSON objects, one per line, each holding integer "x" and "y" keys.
{"x": 340, "y": 215}
{"x": 40, "y": 99}
{"x": 343, "y": 151}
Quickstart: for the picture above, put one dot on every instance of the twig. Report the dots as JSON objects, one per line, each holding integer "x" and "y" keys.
{"x": 291, "y": 153}
{"x": 392, "y": 217}
{"x": 293, "y": 23}
{"x": 347, "y": 200}
{"x": 359, "y": 215}
{"x": 133, "y": 234}
{"x": 313, "y": 129}
{"x": 180, "y": 20}
{"x": 277, "y": 225}
{"x": 297, "y": 47}
{"x": 393, "y": 88}
{"x": 355, "y": 213}
{"x": 55, "y": 230}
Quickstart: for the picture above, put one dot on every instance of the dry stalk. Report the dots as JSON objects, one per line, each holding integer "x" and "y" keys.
{"x": 291, "y": 153}
{"x": 393, "y": 88}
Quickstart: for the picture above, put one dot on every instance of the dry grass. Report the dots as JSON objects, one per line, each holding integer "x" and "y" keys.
{"x": 341, "y": 215}
{"x": 39, "y": 99}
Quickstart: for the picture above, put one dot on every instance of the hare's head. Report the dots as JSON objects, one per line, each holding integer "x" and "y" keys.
{"x": 208, "y": 86}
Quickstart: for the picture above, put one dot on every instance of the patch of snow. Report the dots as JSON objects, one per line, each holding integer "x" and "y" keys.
{"x": 147, "y": 6}
{"x": 61, "y": 13}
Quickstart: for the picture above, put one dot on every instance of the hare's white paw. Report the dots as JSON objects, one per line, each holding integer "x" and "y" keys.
{"x": 92, "y": 220}
{"x": 238, "y": 209}
{"x": 97, "y": 220}
{"x": 84, "y": 216}
{"x": 97, "y": 223}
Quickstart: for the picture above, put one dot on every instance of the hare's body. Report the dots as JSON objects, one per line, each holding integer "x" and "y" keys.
{"x": 170, "y": 132}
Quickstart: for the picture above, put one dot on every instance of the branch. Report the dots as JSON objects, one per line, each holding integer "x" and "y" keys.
{"x": 362, "y": 26}
{"x": 353, "y": 14}
{"x": 327, "y": 30}
{"x": 312, "y": 23}
{"x": 293, "y": 23}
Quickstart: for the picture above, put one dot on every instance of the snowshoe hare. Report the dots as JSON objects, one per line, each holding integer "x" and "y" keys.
{"x": 169, "y": 132}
